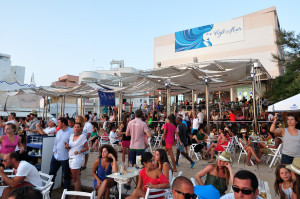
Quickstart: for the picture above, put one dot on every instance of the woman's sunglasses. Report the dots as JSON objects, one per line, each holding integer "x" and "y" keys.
{"x": 187, "y": 195}
{"x": 244, "y": 191}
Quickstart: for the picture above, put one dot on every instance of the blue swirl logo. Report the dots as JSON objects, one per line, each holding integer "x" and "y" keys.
{"x": 192, "y": 38}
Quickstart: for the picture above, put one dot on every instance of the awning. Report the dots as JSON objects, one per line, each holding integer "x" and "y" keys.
{"x": 288, "y": 105}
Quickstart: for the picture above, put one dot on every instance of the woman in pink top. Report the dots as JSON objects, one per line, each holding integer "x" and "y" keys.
{"x": 10, "y": 141}
{"x": 169, "y": 136}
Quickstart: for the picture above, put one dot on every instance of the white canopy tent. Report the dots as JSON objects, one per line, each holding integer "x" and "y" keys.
{"x": 287, "y": 105}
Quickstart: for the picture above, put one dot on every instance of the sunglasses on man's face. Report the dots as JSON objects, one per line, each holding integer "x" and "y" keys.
{"x": 187, "y": 195}
{"x": 244, "y": 191}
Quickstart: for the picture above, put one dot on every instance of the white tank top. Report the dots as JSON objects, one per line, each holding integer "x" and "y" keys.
{"x": 287, "y": 192}
{"x": 291, "y": 144}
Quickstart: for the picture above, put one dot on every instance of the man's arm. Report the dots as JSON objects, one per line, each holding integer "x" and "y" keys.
{"x": 11, "y": 182}
{"x": 39, "y": 129}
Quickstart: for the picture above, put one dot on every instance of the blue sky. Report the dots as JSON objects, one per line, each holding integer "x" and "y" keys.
{"x": 55, "y": 38}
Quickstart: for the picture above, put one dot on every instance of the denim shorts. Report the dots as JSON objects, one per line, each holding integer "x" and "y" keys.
{"x": 286, "y": 159}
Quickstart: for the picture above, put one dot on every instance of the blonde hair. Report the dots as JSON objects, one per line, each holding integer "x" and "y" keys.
{"x": 80, "y": 120}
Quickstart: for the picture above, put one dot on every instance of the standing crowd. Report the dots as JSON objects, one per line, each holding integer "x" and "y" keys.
{"x": 134, "y": 136}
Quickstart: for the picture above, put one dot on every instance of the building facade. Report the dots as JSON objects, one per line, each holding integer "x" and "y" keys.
{"x": 249, "y": 36}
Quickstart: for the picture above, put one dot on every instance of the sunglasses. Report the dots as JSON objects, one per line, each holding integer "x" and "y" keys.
{"x": 187, "y": 195}
{"x": 244, "y": 191}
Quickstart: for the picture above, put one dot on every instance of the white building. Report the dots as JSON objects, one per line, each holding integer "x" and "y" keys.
{"x": 10, "y": 73}
{"x": 11, "y": 79}
{"x": 127, "y": 74}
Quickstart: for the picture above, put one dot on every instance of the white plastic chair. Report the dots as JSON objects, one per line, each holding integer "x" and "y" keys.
{"x": 46, "y": 178}
{"x": 103, "y": 140}
{"x": 157, "y": 140}
{"x": 115, "y": 146}
{"x": 165, "y": 193}
{"x": 194, "y": 181}
{"x": 77, "y": 193}
{"x": 227, "y": 146}
{"x": 46, "y": 182}
{"x": 192, "y": 152}
{"x": 276, "y": 155}
{"x": 150, "y": 147}
{"x": 45, "y": 190}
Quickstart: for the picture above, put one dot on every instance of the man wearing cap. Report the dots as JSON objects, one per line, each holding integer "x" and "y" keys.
{"x": 31, "y": 130}
{"x": 50, "y": 130}
{"x": 245, "y": 186}
{"x": 295, "y": 168}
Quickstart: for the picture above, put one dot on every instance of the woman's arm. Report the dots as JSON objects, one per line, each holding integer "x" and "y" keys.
{"x": 166, "y": 169}
{"x": 164, "y": 134}
{"x": 273, "y": 127}
{"x": 195, "y": 137}
{"x": 249, "y": 142}
{"x": 140, "y": 183}
{"x": 114, "y": 163}
{"x": 224, "y": 139}
{"x": 202, "y": 173}
{"x": 86, "y": 147}
{"x": 282, "y": 195}
{"x": 230, "y": 172}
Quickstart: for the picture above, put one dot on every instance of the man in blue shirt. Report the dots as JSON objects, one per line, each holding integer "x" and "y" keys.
{"x": 60, "y": 156}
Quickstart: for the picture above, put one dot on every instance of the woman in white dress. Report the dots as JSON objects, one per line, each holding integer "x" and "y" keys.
{"x": 76, "y": 146}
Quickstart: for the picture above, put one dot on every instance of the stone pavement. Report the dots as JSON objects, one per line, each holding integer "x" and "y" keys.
{"x": 262, "y": 171}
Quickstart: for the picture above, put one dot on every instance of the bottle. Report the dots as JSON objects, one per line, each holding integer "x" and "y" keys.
{"x": 121, "y": 168}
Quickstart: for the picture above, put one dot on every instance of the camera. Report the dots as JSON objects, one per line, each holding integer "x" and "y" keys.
{"x": 279, "y": 117}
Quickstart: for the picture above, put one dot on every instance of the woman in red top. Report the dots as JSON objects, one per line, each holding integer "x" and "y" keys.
{"x": 150, "y": 177}
{"x": 222, "y": 141}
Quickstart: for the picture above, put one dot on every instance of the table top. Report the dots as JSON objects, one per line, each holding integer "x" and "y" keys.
{"x": 125, "y": 176}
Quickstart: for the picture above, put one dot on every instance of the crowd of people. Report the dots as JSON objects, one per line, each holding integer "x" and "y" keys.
{"x": 76, "y": 137}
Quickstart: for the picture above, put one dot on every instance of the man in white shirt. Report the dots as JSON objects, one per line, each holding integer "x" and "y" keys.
{"x": 200, "y": 117}
{"x": 245, "y": 186}
{"x": 50, "y": 130}
{"x": 60, "y": 156}
{"x": 27, "y": 174}
{"x": 87, "y": 130}
{"x": 181, "y": 112}
{"x": 195, "y": 123}
{"x": 113, "y": 137}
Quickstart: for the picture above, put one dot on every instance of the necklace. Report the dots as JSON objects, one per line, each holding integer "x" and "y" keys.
{"x": 77, "y": 134}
